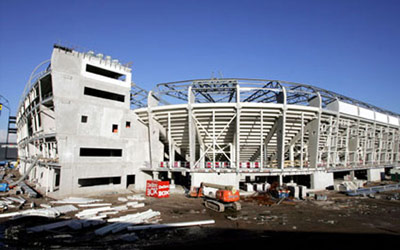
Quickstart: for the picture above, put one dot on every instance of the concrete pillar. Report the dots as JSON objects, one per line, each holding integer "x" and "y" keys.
{"x": 192, "y": 129}
{"x": 353, "y": 174}
{"x": 141, "y": 179}
{"x": 153, "y": 133}
{"x": 314, "y": 132}
{"x": 52, "y": 180}
{"x": 313, "y": 142}
{"x": 237, "y": 131}
{"x": 375, "y": 174}
{"x": 280, "y": 134}
{"x": 321, "y": 180}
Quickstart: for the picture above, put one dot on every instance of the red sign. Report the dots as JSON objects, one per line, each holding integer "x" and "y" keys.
{"x": 158, "y": 189}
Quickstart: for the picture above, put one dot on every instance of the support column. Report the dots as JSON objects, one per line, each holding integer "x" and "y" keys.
{"x": 170, "y": 147}
{"x": 52, "y": 180}
{"x": 237, "y": 142}
{"x": 156, "y": 176}
{"x": 302, "y": 142}
{"x": 313, "y": 132}
{"x": 192, "y": 129}
{"x": 291, "y": 155}
{"x": 281, "y": 131}
{"x": 261, "y": 139}
{"x": 153, "y": 139}
{"x": 214, "y": 137}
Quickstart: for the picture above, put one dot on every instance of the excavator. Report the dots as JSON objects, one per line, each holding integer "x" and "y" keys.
{"x": 224, "y": 196}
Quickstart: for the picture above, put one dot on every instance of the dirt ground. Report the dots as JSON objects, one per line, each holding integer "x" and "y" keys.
{"x": 338, "y": 221}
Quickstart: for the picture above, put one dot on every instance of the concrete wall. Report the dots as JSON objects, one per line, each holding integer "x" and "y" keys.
{"x": 69, "y": 81}
{"x": 375, "y": 174}
{"x": 96, "y": 130}
{"x": 321, "y": 180}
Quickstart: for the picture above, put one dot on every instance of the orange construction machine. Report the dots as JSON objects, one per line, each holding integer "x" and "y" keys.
{"x": 218, "y": 197}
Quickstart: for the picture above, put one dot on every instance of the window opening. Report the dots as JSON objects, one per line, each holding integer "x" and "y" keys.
{"x": 87, "y": 182}
{"x": 104, "y": 94}
{"x": 84, "y": 119}
{"x": 105, "y": 72}
{"x": 100, "y": 152}
{"x": 115, "y": 128}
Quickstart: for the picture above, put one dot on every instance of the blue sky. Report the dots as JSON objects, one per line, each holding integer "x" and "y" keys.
{"x": 350, "y": 46}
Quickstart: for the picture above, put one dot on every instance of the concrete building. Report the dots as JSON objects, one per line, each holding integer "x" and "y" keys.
{"x": 76, "y": 117}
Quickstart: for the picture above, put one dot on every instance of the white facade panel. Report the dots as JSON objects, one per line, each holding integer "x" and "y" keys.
{"x": 379, "y": 117}
{"x": 348, "y": 108}
{"x": 366, "y": 113}
{"x": 393, "y": 120}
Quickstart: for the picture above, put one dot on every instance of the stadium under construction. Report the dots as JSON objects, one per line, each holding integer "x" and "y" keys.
{"x": 84, "y": 127}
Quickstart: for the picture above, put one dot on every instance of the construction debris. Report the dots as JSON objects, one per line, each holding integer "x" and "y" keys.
{"x": 88, "y": 213}
{"x": 136, "y": 198}
{"x": 76, "y": 200}
{"x": 45, "y": 212}
{"x": 95, "y": 205}
{"x": 28, "y": 190}
{"x": 123, "y": 222}
{"x": 372, "y": 190}
{"x": 73, "y": 224}
{"x": 171, "y": 225}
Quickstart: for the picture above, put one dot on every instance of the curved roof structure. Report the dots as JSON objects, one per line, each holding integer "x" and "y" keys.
{"x": 252, "y": 90}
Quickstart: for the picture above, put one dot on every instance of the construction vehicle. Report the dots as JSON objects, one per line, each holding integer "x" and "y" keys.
{"x": 218, "y": 197}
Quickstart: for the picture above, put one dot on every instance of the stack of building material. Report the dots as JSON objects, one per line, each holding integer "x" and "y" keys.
{"x": 8, "y": 201}
{"x": 45, "y": 212}
{"x": 73, "y": 224}
{"x": 259, "y": 187}
{"x": 28, "y": 190}
{"x": 93, "y": 213}
{"x": 95, "y": 205}
{"x": 350, "y": 185}
{"x": 76, "y": 200}
{"x": 299, "y": 191}
{"x": 123, "y": 199}
{"x": 249, "y": 187}
{"x": 123, "y": 222}
{"x": 135, "y": 204}
{"x": 171, "y": 225}
{"x": 136, "y": 198}
{"x": 103, "y": 211}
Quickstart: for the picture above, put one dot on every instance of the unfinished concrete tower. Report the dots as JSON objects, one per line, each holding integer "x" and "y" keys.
{"x": 75, "y": 118}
